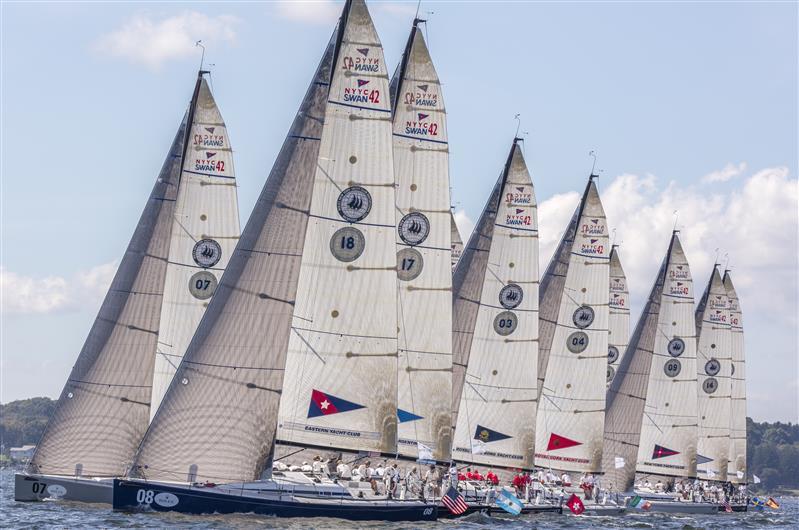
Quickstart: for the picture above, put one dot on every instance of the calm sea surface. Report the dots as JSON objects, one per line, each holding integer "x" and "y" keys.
{"x": 43, "y": 515}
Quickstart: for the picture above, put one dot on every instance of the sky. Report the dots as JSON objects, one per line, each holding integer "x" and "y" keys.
{"x": 689, "y": 106}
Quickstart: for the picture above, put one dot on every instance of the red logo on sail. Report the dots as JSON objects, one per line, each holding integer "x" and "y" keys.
{"x": 662, "y": 452}
{"x": 362, "y": 82}
{"x": 557, "y": 441}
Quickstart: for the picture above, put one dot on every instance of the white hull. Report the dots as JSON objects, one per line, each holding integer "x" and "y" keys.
{"x": 29, "y": 488}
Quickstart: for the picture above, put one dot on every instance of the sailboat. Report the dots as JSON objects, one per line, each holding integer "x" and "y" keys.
{"x": 619, "y": 317}
{"x": 300, "y": 343}
{"x": 574, "y": 338}
{"x": 736, "y": 465}
{"x": 651, "y": 420}
{"x": 166, "y": 278}
{"x": 495, "y": 330}
{"x": 714, "y": 371}
{"x": 424, "y": 256}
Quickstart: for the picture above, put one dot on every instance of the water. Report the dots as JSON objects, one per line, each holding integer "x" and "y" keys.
{"x": 72, "y": 515}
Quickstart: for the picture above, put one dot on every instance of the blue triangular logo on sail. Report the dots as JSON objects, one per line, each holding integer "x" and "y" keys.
{"x": 702, "y": 459}
{"x": 326, "y": 404}
{"x": 404, "y": 415}
{"x": 487, "y": 435}
{"x": 423, "y": 87}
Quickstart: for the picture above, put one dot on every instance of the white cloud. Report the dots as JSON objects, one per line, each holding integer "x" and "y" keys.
{"x": 465, "y": 225}
{"x": 309, "y": 11}
{"x": 28, "y": 295}
{"x": 553, "y": 216}
{"x": 723, "y": 175}
{"x": 153, "y": 42}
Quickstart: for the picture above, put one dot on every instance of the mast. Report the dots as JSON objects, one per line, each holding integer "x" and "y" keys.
{"x": 103, "y": 410}
{"x": 217, "y": 420}
{"x": 204, "y": 233}
{"x": 340, "y": 383}
{"x": 736, "y": 469}
{"x": 628, "y": 390}
{"x": 714, "y": 366}
{"x": 619, "y": 319}
{"x": 669, "y": 422}
{"x": 495, "y": 326}
{"x": 571, "y": 408}
{"x": 424, "y": 257}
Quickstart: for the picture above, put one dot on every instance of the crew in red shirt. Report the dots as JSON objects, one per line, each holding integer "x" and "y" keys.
{"x": 478, "y": 476}
{"x": 492, "y": 478}
{"x": 469, "y": 474}
{"x": 518, "y": 482}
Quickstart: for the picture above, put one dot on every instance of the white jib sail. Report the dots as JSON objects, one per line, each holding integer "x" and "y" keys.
{"x": 714, "y": 366}
{"x": 571, "y": 408}
{"x": 736, "y": 469}
{"x": 424, "y": 256}
{"x": 669, "y": 426}
{"x": 457, "y": 241}
{"x": 619, "y": 318}
{"x": 205, "y": 230}
{"x": 340, "y": 385}
{"x": 498, "y": 402}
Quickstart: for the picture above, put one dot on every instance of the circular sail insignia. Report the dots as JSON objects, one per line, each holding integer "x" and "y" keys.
{"x": 672, "y": 368}
{"x": 710, "y": 385}
{"x": 505, "y": 323}
{"x": 613, "y": 354}
{"x": 712, "y": 367}
{"x": 414, "y": 228}
{"x": 202, "y": 285}
{"x": 583, "y": 316}
{"x": 354, "y": 204}
{"x": 611, "y": 372}
{"x": 347, "y": 244}
{"x": 676, "y": 347}
{"x": 511, "y": 296}
{"x": 577, "y": 342}
{"x": 206, "y": 253}
{"x": 409, "y": 264}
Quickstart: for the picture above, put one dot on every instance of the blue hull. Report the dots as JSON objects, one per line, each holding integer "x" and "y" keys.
{"x": 138, "y": 495}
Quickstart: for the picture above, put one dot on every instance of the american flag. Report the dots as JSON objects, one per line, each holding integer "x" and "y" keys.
{"x": 454, "y": 501}
{"x": 727, "y": 507}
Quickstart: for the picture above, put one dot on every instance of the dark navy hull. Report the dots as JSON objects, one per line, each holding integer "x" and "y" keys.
{"x": 496, "y": 510}
{"x": 139, "y": 495}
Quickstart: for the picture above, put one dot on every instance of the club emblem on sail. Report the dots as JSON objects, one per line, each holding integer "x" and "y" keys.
{"x": 557, "y": 441}
{"x": 404, "y": 415}
{"x": 363, "y": 51}
{"x": 209, "y": 154}
{"x": 326, "y": 404}
{"x": 422, "y": 116}
{"x": 210, "y": 129}
{"x": 702, "y": 459}
{"x": 662, "y": 452}
{"x": 423, "y": 88}
{"x": 362, "y": 82}
{"x": 487, "y": 435}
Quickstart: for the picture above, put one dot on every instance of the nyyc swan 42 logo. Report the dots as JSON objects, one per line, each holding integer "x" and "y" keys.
{"x": 519, "y": 196}
{"x": 421, "y": 97}
{"x": 209, "y": 164}
{"x": 592, "y": 247}
{"x": 518, "y": 217}
{"x": 360, "y": 62}
{"x": 207, "y": 138}
{"x": 680, "y": 272}
{"x": 678, "y": 288}
{"x": 422, "y": 126}
{"x": 594, "y": 227}
{"x": 361, "y": 93}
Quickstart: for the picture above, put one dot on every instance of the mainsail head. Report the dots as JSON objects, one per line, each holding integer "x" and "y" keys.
{"x": 340, "y": 385}
{"x": 495, "y": 327}
{"x": 205, "y": 231}
{"x": 217, "y": 420}
{"x": 571, "y": 405}
{"x": 104, "y": 408}
{"x": 736, "y": 469}
{"x": 424, "y": 258}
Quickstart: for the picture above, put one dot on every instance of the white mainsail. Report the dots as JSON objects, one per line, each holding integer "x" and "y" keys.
{"x": 495, "y": 323}
{"x": 424, "y": 256}
{"x": 457, "y": 241}
{"x": 736, "y": 469}
{"x": 571, "y": 408}
{"x": 619, "y": 319}
{"x": 714, "y": 366}
{"x": 205, "y": 230}
{"x": 340, "y": 382}
{"x": 669, "y": 428}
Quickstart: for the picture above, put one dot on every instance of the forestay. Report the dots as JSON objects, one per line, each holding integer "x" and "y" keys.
{"x": 714, "y": 365}
{"x": 205, "y": 230}
{"x": 340, "y": 385}
{"x": 424, "y": 255}
{"x": 217, "y": 420}
{"x": 619, "y": 316}
{"x": 103, "y": 410}
{"x": 736, "y": 470}
{"x": 571, "y": 408}
{"x": 496, "y": 326}
{"x": 669, "y": 427}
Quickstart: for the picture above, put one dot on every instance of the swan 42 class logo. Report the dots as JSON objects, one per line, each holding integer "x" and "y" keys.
{"x": 206, "y": 253}
{"x": 354, "y": 204}
{"x": 511, "y": 296}
{"x": 414, "y": 228}
{"x": 583, "y": 316}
